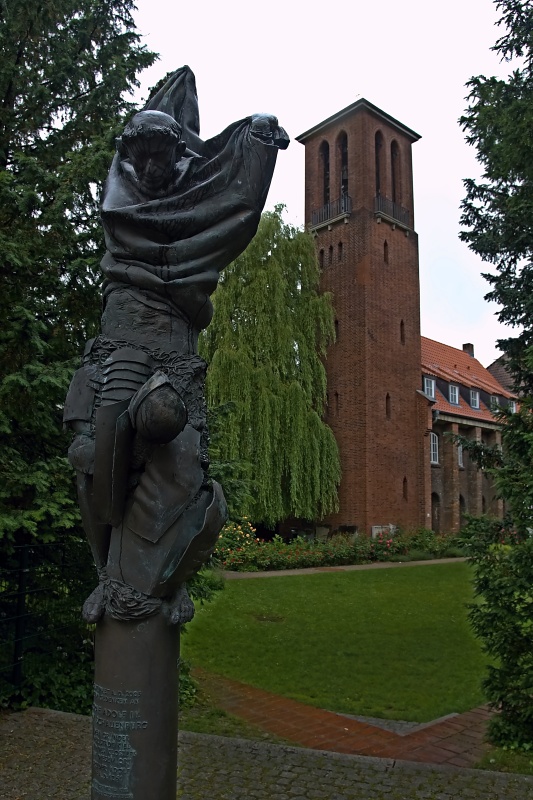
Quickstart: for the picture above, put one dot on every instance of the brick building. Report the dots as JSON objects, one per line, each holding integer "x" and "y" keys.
{"x": 359, "y": 207}
{"x": 463, "y": 394}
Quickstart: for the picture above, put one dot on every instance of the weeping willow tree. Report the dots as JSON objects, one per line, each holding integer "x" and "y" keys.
{"x": 265, "y": 346}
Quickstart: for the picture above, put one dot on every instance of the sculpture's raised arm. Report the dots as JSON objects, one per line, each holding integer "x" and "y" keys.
{"x": 176, "y": 210}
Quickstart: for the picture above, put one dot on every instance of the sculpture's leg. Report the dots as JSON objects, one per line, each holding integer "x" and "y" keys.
{"x": 135, "y": 714}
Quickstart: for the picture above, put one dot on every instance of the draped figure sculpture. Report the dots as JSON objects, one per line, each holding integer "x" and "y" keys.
{"x": 176, "y": 210}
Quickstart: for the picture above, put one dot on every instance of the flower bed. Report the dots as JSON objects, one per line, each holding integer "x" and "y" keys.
{"x": 240, "y": 550}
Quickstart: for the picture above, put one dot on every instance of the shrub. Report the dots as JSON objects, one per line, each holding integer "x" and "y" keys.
{"x": 503, "y": 620}
{"x": 240, "y": 550}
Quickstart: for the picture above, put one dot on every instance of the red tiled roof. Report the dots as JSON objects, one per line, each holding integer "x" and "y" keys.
{"x": 457, "y": 366}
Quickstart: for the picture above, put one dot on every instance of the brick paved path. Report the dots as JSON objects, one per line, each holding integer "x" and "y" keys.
{"x": 457, "y": 740}
{"x": 46, "y": 754}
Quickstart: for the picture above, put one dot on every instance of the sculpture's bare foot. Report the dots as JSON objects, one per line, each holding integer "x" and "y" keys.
{"x": 181, "y": 608}
{"x": 94, "y": 607}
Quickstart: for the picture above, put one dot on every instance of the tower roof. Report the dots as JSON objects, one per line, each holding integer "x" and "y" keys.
{"x": 359, "y": 105}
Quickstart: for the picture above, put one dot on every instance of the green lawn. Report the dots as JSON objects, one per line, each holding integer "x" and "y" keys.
{"x": 391, "y": 643}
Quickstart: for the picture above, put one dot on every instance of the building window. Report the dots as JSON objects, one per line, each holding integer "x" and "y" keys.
{"x": 405, "y": 490}
{"x": 330, "y": 259}
{"x": 460, "y": 459}
{"x": 433, "y": 448}
{"x": 336, "y": 330}
{"x": 387, "y": 406}
{"x": 453, "y": 394}
{"x": 402, "y": 332}
{"x": 511, "y": 406}
{"x": 386, "y": 252}
{"x": 494, "y": 402}
{"x": 395, "y": 172}
{"x": 339, "y": 251}
{"x": 474, "y": 398}
{"x": 379, "y": 163}
{"x": 429, "y": 388}
{"x": 324, "y": 158}
{"x": 321, "y": 259}
{"x": 336, "y": 402}
{"x": 343, "y": 152}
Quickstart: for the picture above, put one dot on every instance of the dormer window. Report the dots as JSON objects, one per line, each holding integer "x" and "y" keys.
{"x": 494, "y": 402}
{"x": 453, "y": 394}
{"x": 429, "y": 388}
{"x": 474, "y": 398}
{"x": 511, "y": 406}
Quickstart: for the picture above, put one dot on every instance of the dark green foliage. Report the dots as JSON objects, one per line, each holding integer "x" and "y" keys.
{"x": 270, "y": 330}
{"x": 498, "y": 209}
{"x": 498, "y": 220}
{"x": 233, "y": 474}
{"x": 503, "y": 620}
{"x": 240, "y": 550}
{"x": 42, "y": 589}
{"x": 66, "y": 70}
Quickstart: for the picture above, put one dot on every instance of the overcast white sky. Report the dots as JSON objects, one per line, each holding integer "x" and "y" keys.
{"x": 305, "y": 60}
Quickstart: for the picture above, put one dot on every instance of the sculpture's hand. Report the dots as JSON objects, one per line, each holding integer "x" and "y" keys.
{"x": 263, "y": 126}
{"x": 266, "y": 127}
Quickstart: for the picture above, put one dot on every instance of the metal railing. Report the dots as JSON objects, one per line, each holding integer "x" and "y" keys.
{"x": 382, "y": 205}
{"x": 333, "y": 209}
{"x": 42, "y": 588}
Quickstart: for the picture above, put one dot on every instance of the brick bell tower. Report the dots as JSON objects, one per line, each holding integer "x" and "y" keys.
{"x": 359, "y": 207}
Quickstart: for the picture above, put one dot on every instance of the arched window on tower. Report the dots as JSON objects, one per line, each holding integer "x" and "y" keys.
{"x": 324, "y": 159}
{"x": 380, "y": 155}
{"x": 330, "y": 254}
{"x": 385, "y": 252}
{"x": 321, "y": 259}
{"x": 387, "y": 406}
{"x": 336, "y": 330}
{"x": 395, "y": 172}
{"x": 402, "y": 332}
{"x": 339, "y": 252}
{"x": 342, "y": 145}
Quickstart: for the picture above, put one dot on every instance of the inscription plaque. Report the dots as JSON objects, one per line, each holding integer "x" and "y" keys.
{"x": 116, "y": 712}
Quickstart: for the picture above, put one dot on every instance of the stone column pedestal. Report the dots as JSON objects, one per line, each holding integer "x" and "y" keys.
{"x": 135, "y": 713}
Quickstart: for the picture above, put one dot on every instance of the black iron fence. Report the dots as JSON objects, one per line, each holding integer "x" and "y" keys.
{"x": 333, "y": 209}
{"x": 42, "y": 589}
{"x": 392, "y": 210}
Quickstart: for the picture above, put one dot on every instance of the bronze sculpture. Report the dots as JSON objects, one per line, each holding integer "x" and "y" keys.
{"x": 176, "y": 210}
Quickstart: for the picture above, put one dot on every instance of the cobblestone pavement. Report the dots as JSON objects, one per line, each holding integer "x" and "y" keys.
{"x": 233, "y": 768}
{"x": 46, "y": 754}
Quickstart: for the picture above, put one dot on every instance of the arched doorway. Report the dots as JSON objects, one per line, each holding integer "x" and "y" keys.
{"x": 435, "y": 512}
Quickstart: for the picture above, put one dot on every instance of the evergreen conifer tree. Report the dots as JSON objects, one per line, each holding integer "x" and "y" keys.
{"x": 66, "y": 69}
{"x": 498, "y": 225}
{"x": 265, "y": 346}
